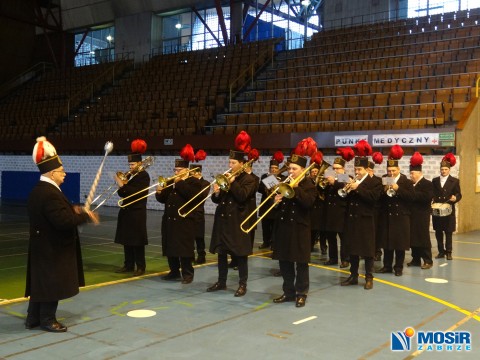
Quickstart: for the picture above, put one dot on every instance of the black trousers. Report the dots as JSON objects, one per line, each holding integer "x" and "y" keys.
{"x": 333, "y": 247}
{"x": 448, "y": 241}
{"x": 267, "y": 230}
{"x": 355, "y": 262}
{"x": 181, "y": 265}
{"x": 424, "y": 253}
{"x": 134, "y": 255}
{"x": 294, "y": 283}
{"x": 200, "y": 243}
{"x": 43, "y": 312}
{"x": 242, "y": 263}
{"x": 388, "y": 259}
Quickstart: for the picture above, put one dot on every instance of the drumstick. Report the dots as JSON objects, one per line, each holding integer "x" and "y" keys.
{"x": 108, "y": 149}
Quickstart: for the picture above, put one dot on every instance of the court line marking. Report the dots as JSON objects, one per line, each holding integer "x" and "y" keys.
{"x": 401, "y": 287}
{"x": 298, "y": 322}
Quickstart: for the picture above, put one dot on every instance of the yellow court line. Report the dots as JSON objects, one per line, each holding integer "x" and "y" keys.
{"x": 413, "y": 291}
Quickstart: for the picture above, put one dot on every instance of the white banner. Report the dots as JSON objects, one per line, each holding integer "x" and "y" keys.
{"x": 349, "y": 140}
{"x": 406, "y": 139}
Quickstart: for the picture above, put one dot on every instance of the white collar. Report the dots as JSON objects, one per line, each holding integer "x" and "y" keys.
{"x": 50, "y": 181}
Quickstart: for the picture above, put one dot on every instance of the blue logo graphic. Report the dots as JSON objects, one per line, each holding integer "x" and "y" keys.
{"x": 400, "y": 341}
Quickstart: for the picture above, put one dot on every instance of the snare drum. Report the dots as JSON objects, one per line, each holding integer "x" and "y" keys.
{"x": 441, "y": 209}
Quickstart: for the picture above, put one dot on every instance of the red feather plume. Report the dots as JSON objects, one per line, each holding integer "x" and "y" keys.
{"x": 346, "y": 153}
{"x": 278, "y": 156}
{"x": 187, "y": 153}
{"x": 450, "y": 158}
{"x": 306, "y": 147}
{"x": 416, "y": 159}
{"x": 396, "y": 152}
{"x": 200, "y": 155}
{"x": 317, "y": 158}
{"x": 138, "y": 146}
{"x": 377, "y": 157}
{"x": 253, "y": 155}
{"x": 363, "y": 148}
{"x": 243, "y": 141}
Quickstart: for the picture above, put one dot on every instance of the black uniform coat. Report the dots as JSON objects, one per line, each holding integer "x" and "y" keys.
{"x": 198, "y": 214}
{"x": 54, "y": 267}
{"x": 335, "y": 208}
{"x": 317, "y": 213}
{"x": 442, "y": 195}
{"x": 360, "y": 220}
{"x": 291, "y": 231}
{"x": 132, "y": 219}
{"x": 394, "y": 219}
{"x": 421, "y": 209}
{"x": 232, "y": 209}
{"x": 178, "y": 233}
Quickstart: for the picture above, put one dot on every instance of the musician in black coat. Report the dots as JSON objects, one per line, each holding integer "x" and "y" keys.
{"x": 446, "y": 189}
{"x": 132, "y": 217}
{"x": 378, "y": 179}
{"x": 292, "y": 234}
{"x": 178, "y": 232}
{"x": 232, "y": 210}
{"x": 268, "y": 220}
{"x": 420, "y": 217}
{"x": 395, "y": 220}
{"x": 54, "y": 267}
{"x": 362, "y": 196}
{"x": 199, "y": 214}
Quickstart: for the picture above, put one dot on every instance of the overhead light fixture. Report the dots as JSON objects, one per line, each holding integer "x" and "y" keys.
{"x": 305, "y": 2}
{"x": 109, "y": 38}
{"x": 178, "y": 26}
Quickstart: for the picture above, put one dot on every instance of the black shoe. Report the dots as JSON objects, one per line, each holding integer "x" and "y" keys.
{"x": 301, "y": 299}
{"x": 352, "y": 280}
{"x": 187, "y": 280}
{"x": 54, "y": 326}
{"x": 440, "y": 255}
{"x": 217, "y": 286}
{"x": 139, "y": 272}
{"x": 414, "y": 263}
{"x": 384, "y": 270}
{"x": 368, "y": 284}
{"x": 426, "y": 266}
{"x": 264, "y": 246}
{"x": 201, "y": 259}
{"x": 242, "y": 290}
{"x": 124, "y": 270}
{"x": 344, "y": 264}
{"x": 331, "y": 262}
{"x": 31, "y": 324}
{"x": 449, "y": 256}
{"x": 398, "y": 272}
{"x": 283, "y": 298}
{"x": 171, "y": 277}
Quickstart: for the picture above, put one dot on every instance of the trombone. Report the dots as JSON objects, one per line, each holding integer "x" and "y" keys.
{"x": 284, "y": 188}
{"x": 162, "y": 181}
{"x": 125, "y": 177}
{"x": 223, "y": 182}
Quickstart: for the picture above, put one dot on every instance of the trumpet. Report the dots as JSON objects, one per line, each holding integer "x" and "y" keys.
{"x": 223, "y": 182}
{"x": 125, "y": 177}
{"x": 284, "y": 188}
{"x": 162, "y": 181}
{"x": 390, "y": 191}
{"x": 343, "y": 192}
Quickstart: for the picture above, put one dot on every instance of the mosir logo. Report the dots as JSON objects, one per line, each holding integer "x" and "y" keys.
{"x": 451, "y": 341}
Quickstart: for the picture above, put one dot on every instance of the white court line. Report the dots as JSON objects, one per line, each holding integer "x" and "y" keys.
{"x": 442, "y": 265}
{"x": 304, "y": 320}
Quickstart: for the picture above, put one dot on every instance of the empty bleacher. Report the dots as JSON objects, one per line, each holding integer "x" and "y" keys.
{"x": 412, "y": 73}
